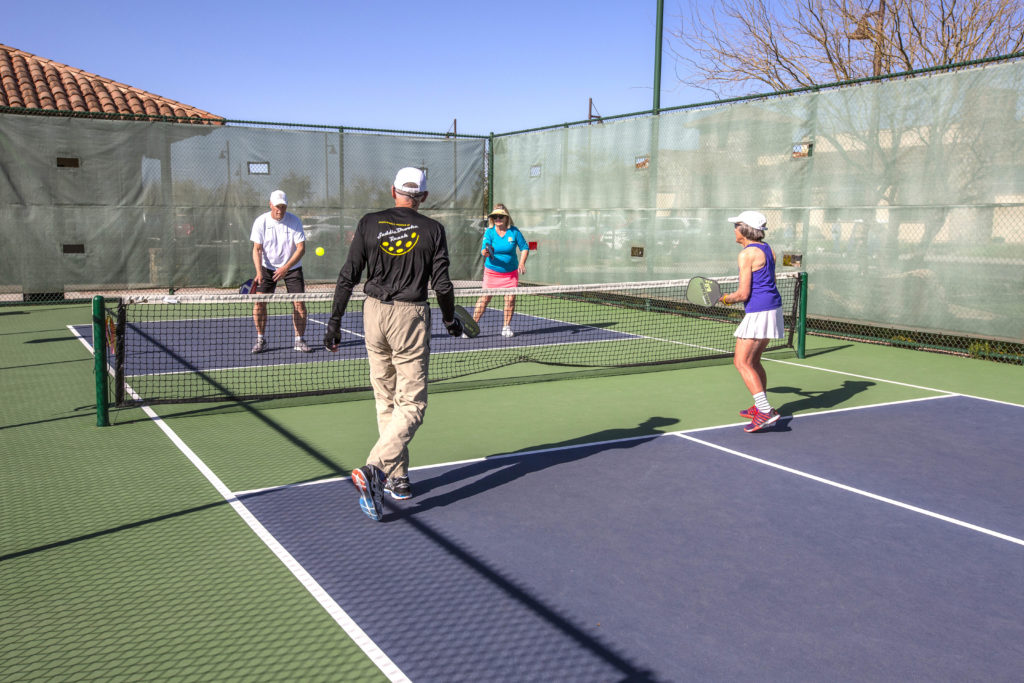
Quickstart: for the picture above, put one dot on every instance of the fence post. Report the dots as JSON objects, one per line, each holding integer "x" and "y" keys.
{"x": 489, "y": 200}
{"x": 801, "y": 330}
{"x": 99, "y": 351}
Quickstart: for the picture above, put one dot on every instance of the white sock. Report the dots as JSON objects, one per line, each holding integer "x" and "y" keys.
{"x": 761, "y": 401}
{"x": 259, "y": 336}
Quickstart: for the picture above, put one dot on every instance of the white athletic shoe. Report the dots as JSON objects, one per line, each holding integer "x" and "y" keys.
{"x": 506, "y": 331}
{"x": 300, "y": 346}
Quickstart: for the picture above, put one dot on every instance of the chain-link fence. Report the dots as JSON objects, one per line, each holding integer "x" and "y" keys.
{"x": 104, "y": 205}
{"x": 903, "y": 199}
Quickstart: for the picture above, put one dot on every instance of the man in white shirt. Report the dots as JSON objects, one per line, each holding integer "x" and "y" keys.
{"x": 278, "y": 243}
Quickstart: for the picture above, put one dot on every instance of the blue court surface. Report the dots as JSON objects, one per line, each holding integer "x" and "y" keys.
{"x": 881, "y": 543}
{"x": 223, "y": 343}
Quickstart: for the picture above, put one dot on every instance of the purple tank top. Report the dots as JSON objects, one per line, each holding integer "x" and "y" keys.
{"x": 764, "y": 295}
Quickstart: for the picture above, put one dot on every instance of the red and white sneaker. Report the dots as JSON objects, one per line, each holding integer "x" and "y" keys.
{"x": 370, "y": 482}
{"x": 749, "y": 413}
{"x": 762, "y": 421}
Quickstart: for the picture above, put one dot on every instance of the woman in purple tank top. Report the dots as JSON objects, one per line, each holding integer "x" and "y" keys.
{"x": 763, "y": 320}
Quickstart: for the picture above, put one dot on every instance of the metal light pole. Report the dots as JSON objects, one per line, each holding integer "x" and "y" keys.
{"x": 226, "y": 154}
{"x": 657, "y": 56}
{"x": 328, "y": 151}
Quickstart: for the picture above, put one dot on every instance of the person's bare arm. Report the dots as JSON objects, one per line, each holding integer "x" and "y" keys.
{"x": 257, "y": 260}
{"x": 748, "y": 263}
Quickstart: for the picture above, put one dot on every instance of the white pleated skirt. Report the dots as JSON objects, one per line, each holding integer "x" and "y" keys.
{"x": 761, "y": 325}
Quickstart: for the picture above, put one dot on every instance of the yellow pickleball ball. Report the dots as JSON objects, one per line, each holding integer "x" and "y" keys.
{"x": 319, "y": 251}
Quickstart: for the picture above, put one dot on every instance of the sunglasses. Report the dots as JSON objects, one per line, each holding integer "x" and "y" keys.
{"x": 499, "y": 217}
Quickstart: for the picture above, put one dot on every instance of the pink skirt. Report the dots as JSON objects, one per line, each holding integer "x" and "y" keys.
{"x": 495, "y": 280}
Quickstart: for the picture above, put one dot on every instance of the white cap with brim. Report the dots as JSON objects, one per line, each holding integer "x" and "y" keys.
{"x": 278, "y": 197}
{"x": 411, "y": 181}
{"x": 754, "y": 219}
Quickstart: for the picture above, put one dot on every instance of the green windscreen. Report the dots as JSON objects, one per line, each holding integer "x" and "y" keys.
{"x": 110, "y": 205}
{"x": 902, "y": 199}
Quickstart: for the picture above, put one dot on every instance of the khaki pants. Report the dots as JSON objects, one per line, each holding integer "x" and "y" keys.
{"x": 398, "y": 346}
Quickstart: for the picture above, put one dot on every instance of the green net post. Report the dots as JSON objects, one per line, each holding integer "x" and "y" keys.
{"x": 99, "y": 348}
{"x": 801, "y": 325}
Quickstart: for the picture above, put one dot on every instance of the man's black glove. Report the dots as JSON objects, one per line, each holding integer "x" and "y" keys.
{"x": 332, "y": 338}
{"x": 454, "y": 327}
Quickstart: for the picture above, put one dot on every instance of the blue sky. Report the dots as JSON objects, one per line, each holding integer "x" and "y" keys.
{"x": 493, "y": 67}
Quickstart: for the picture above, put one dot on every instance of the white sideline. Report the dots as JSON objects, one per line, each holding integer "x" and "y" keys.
{"x": 851, "y": 489}
{"x": 358, "y": 636}
{"x": 375, "y": 654}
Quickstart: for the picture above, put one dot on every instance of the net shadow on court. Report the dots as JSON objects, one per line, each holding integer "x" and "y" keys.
{"x": 486, "y": 623}
{"x": 661, "y": 558}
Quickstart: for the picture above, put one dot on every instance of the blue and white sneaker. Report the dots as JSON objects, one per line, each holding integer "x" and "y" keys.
{"x": 398, "y": 488}
{"x": 370, "y": 482}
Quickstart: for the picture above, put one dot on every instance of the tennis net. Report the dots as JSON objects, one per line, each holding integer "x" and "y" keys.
{"x": 176, "y": 349}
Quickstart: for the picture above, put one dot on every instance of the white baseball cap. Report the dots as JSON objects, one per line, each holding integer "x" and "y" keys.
{"x": 754, "y": 219}
{"x": 411, "y": 180}
{"x": 278, "y": 197}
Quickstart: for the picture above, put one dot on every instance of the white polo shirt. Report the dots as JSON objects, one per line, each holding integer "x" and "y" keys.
{"x": 278, "y": 238}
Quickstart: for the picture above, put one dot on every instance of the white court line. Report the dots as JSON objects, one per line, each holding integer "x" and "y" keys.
{"x": 993, "y": 400}
{"x": 829, "y": 411}
{"x": 468, "y": 461}
{"x": 284, "y": 487}
{"x": 382, "y": 661}
{"x": 343, "y": 329}
{"x": 890, "y": 381}
{"x": 850, "y": 374}
{"x": 358, "y": 636}
{"x": 556, "y": 449}
{"x": 687, "y": 435}
{"x": 246, "y": 368}
{"x": 851, "y": 489}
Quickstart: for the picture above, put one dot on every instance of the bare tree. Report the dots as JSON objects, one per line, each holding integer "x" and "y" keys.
{"x": 736, "y": 47}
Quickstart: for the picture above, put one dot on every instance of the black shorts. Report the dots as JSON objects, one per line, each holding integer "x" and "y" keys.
{"x": 293, "y": 282}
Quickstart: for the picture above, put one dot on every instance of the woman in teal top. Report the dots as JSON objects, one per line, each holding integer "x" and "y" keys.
{"x": 502, "y": 267}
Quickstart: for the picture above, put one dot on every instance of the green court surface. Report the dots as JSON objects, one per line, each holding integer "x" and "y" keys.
{"x": 120, "y": 560}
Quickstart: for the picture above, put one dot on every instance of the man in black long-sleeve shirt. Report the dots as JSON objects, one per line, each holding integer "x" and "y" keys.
{"x": 403, "y": 252}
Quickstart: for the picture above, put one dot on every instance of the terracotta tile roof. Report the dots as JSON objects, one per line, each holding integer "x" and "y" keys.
{"x": 31, "y": 82}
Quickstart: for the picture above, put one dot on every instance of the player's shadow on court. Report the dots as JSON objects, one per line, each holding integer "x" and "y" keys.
{"x": 498, "y": 471}
{"x": 818, "y": 400}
